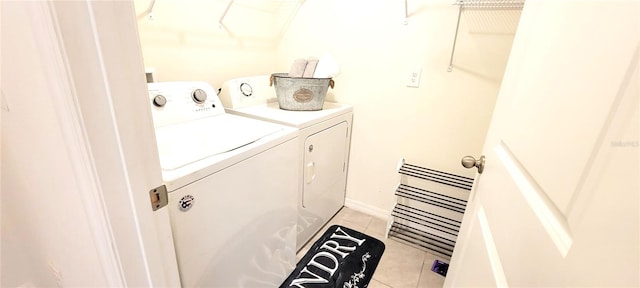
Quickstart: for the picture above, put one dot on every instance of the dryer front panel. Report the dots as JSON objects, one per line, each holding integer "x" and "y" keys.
{"x": 324, "y": 173}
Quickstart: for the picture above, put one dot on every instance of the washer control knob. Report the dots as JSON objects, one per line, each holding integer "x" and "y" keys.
{"x": 159, "y": 101}
{"x": 199, "y": 96}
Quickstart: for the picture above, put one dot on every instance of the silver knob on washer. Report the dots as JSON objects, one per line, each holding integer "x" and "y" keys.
{"x": 199, "y": 96}
{"x": 159, "y": 101}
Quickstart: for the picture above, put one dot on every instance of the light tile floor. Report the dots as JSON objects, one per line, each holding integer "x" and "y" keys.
{"x": 401, "y": 266}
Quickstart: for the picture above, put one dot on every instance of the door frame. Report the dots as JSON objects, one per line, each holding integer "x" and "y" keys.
{"x": 110, "y": 119}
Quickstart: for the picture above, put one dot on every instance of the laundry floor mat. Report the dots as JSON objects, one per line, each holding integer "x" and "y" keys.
{"x": 341, "y": 258}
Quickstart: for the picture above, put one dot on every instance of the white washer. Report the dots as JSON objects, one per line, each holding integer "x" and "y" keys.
{"x": 324, "y": 142}
{"x": 232, "y": 183}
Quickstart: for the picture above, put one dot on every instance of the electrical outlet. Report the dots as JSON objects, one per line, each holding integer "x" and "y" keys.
{"x": 414, "y": 76}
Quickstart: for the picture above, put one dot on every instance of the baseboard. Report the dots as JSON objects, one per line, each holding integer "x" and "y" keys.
{"x": 367, "y": 209}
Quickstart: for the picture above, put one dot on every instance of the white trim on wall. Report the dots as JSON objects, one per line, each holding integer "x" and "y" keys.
{"x": 367, "y": 209}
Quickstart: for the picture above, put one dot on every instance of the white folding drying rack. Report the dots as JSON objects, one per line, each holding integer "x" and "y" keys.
{"x": 429, "y": 208}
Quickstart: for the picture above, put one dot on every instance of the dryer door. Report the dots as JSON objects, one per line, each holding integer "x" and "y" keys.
{"x": 325, "y": 157}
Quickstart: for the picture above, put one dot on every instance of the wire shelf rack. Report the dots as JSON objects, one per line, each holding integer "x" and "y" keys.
{"x": 480, "y": 5}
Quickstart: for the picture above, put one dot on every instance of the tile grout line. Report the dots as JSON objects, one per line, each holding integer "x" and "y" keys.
{"x": 421, "y": 268}
{"x": 383, "y": 283}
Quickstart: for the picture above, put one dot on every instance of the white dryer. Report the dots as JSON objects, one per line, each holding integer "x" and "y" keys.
{"x": 324, "y": 142}
{"x": 232, "y": 183}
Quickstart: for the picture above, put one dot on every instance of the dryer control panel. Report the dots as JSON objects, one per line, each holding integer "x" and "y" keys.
{"x": 177, "y": 102}
{"x": 247, "y": 91}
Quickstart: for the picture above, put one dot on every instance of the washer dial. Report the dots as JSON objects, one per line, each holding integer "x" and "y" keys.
{"x": 159, "y": 101}
{"x": 246, "y": 89}
{"x": 199, "y": 96}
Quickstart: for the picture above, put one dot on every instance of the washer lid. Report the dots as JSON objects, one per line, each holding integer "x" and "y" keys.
{"x": 182, "y": 144}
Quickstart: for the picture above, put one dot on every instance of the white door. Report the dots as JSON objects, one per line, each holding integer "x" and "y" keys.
{"x": 557, "y": 204}
{"x": 104, "y": 61}
{"x": 79, "y": 64}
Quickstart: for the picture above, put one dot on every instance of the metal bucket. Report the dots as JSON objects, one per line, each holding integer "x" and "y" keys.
{"x": 300, "y": 94}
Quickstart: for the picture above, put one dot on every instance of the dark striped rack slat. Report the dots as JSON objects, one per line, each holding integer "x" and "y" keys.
{"x": 436, "y": 176}
{"x": 432, "y": 198}
{"x": 423, "y": 239}
{"x": 426, "y": 219}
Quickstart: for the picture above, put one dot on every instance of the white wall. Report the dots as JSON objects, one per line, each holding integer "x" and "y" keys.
{"x": 185, "y": 42}
{"x": 433, "y": 125}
